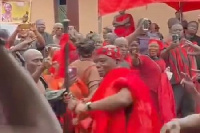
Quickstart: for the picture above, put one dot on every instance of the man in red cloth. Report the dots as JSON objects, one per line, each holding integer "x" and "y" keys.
{"x": 122, "y": 100}
{"x": 124, "y": 24}
{"x": 176, "y": 56}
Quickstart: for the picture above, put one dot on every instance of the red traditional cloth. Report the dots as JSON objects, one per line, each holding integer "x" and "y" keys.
{"x": 143, "y": 117}
{"x": 185, "y": 5}
{"x": 109, "y": 50}
{"x": 106, "y": 7}
{"x": 123, "y": 31}
{"x": 150, "y": 72}
{"x": 165, "y": 93}
{"x": 105, "y": 43}
{"x": 179, "y": 61}
{"x": 61, "y": 57}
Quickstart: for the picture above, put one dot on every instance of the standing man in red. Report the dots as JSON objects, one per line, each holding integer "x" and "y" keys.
{"x": 122, "y": 99}
{"x": 124, "y": 24}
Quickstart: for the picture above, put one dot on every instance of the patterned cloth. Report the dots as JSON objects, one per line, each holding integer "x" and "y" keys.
{"x": 109, "y": 50}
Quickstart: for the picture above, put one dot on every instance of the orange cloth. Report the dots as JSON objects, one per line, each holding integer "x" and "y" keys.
{"x": 53, "y": 83}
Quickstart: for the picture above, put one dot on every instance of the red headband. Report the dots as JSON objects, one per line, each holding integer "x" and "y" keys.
{"x": 160, "y": 43}
{"x": 109, "y": 50}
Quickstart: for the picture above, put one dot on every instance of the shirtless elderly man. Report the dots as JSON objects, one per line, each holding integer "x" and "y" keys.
{"x": 35, "y": 64}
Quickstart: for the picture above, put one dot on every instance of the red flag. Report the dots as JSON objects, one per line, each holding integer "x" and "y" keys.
{"x": 110, "y": 6}
{"x": 185, "y": 6}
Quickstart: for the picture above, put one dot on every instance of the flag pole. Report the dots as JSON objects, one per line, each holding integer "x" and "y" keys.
{"x": 181, "y": 10}
{"x": 99, "y": 20}
{"x": 66, "y": 25}
{"x": 67, "y": 125}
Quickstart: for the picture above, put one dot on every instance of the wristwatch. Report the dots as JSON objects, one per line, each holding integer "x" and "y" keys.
{"x": 88, "y": 104}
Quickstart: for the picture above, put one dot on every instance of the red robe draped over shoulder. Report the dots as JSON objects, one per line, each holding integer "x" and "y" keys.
{"x": 152, "y": 73}
{"x": 165, "y": 95}
{"x": 123, "y": 31}
{"x": 143, "y": 117}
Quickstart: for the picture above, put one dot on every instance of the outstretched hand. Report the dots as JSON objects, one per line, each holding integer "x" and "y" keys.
{"x": 171, "y": 127}
{"x": 188, "y": 83}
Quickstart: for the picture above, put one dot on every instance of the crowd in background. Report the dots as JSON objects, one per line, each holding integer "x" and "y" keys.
{"x": 132, "y": 71}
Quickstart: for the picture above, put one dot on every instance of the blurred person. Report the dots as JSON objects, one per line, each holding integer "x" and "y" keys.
{"x": 143, "y": 37}
{"x": 87, "y": 79}
{"x": 51, "y": 75}
{"x": 106, "y": 30}
{"x": 125, "y": 59}
{"x": 35, "y": 65}
{"x": 96, "y": 38}
{"x": 121, "y": 99}
{"x": 7, "y": 16}
{"x": 59, "y": 30}
{"x": 175, "y": 54}
{"x": 189, "y": 124}
{"x": 191, "y": 34}
{"x": 179, "y": 15}
{"x": 98, "y": 43}
{"x": 165, "y": 91}
{"x": 25, "y": 109}
{"x": 124, "y": 24}
{"x": 86, "y": 66}
{"x": 154, "y": 32}
{"x": 109, "y": 39}
{"x": 78, "y": 38}
{"x": 40, "y": 24}
{"x": 30, "y": 37}
{"x": 160, "y": 87}
{"x": 171, "y": 22}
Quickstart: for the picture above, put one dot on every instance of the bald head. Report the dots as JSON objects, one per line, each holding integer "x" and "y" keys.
{"x": 122, "y": 44}
{"x": 121, "y": 41}
{"x": 110, "y": 38}
{"x": 33, "y": 59}
{"x": 172, "y": 21}
{"x": 58, "y": 25}
{"x": 177, "y": 29}
{"x": 30, "y": 53}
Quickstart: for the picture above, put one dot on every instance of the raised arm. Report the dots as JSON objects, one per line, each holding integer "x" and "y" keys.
{"x": 40, "y": 39}
{"x": 26, "y": 109}
{"x": 12, "y": 38}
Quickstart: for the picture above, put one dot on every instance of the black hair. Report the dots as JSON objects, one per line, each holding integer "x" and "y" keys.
{"x": 85, "y": 48}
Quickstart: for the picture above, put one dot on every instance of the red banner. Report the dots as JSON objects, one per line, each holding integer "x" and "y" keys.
{"x": 110, "y": 6}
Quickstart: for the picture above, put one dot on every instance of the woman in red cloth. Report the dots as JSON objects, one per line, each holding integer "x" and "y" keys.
{"x": 165, "y": 92}
{"x": 124, "y": 24}
{"x": 161, "y": 93}
{"x": 122, "y": 100}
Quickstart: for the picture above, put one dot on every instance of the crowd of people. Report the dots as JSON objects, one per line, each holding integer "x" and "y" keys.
{"x": 131, "y": 80}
